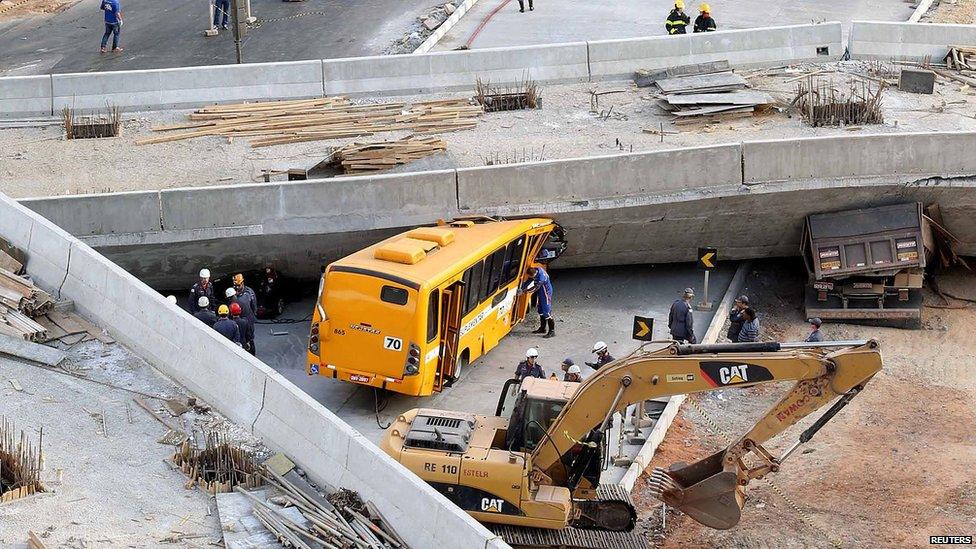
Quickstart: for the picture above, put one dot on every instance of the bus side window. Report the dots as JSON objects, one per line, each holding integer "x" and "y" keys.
{"x": 513, "y": 260}
{"x": 493, "y": 275}
{"x": 474, "y": 289}
{"x": 432, "y": 315}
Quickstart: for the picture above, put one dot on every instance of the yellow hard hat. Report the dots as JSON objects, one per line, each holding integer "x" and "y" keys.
{"x": 680, "y": 4}
{"x": 239, "y": 278}
{"x": 223, "y": 310}
{"x": 704, "y": 8}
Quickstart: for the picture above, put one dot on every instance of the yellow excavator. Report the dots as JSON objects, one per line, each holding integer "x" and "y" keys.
{"x": 534, "y": 477}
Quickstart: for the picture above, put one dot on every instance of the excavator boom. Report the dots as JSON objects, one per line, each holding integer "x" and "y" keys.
{"x": 712, "y": 489}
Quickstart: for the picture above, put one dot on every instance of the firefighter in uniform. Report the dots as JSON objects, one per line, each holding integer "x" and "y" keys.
{"x": 677, "y": 19}
{"x": 202, "y": 289}
{"x": 704, "y": 22}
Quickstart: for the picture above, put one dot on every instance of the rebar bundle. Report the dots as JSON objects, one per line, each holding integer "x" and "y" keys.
{"x": 822, "y": 105}
{"x": 20, "y": 464}
{"x": 92, "y": 126}
{"x": 218, "y": 467}
{"x": 524, "y": 94}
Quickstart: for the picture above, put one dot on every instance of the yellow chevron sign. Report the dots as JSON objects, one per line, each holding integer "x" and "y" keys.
{"x": 707, "y": 258}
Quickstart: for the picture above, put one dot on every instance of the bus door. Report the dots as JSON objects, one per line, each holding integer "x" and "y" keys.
{"x": 536, "y": 242}
{"x": 452, "y": 303}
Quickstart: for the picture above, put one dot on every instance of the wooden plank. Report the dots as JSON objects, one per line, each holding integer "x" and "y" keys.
{"x": 712, "y": 110}
{"x": 8, "y": 263}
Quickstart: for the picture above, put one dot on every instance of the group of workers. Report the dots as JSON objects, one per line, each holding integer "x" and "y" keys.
{"x": 678, "y": 21}
{"x": 235, "y": 318}
{"x": 530, "y": 367}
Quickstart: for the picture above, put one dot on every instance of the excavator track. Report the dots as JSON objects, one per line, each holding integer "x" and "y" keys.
{"x": 612, "y": 510}
{"x": 568, "y": 538}
{"x": 584, "y": 533}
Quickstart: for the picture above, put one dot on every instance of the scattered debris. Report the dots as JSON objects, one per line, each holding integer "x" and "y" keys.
{"x": 822, "y": 105}
{"x": 20, "y": 464}
{"x": 516, "y": 157}
{"x": 961, "y": 58}
{"x": 25, "y": 350}
{"x": 359, "y": 158}
{"x": 92, "y": 126}
{"x": 219, "y": 466}
{"x": 283, "y": 122}
{"x": 646, "y": 77}
{"x": 718, "y": 96}
{"x": 523, "y": 94}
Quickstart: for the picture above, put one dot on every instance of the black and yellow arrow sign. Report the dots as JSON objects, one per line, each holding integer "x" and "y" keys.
{"x": 708, "y": 258}
{"x": 643, "y": 328}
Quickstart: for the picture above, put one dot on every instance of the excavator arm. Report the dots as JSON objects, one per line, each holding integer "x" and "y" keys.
{"x": 712, "y": 489}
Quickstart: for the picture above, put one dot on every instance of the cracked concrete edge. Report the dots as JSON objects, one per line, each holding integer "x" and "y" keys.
{"x": 660, "y": 429}
{"x": 445, "y": 27}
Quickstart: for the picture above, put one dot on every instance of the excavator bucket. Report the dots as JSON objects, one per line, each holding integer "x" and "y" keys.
{"x": 702, "y": 490}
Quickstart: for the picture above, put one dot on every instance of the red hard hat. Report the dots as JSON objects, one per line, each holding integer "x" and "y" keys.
{"x": 235, "y": 309}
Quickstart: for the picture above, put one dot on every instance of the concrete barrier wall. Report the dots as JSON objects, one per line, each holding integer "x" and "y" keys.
{"x": 410, "y": 74}
{"x": 907, "y": 41}
{"x": 101, "y": 214}
{"x": 238, "y": 385}
{"x": 187, "y": 86}
{"x": 454, "y": 70}
{"x": 742, "y": 48}
{"x": 577, "y": 181}
{"x": 891, "y": 155}
{"x": 25, "y": 96}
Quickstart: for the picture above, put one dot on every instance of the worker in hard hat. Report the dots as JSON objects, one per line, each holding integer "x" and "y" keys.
{"x": 602, "y": 356}
{"x": 204, "y": 313}
{"x": 681, "y": 321}
{"x": 202, "y": 289}
{"x": 246, "y": 313}
{"x": 227, "y": 327}
{"x": 704, "y": 21}
{"x": 571, "y": 372}
{"x": 677, "y": 20}
{"x": 530, "y": 367}
{"x": 540, "y": 285}
{"x": 245, "y": 328}
{"x": 246, "y": 293}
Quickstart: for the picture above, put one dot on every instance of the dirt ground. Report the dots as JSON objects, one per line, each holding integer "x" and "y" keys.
{"x": 889, "y": 470}
{"x": 11, "y": 9}
{"x": 38, "y": 161}
{"x": 108, "y": 484}
{"x": 952, "y": 11}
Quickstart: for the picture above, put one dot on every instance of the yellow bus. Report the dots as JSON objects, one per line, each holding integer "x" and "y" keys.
{"x": 408, "y": 313}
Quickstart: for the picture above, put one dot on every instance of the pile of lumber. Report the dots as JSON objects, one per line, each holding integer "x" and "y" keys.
{"x": 283, "y": 122}
{"x": 962, "y": 59}
{"x": 357, "y": 158}
{"x": 20, "y": 301}
{"x": 717, "y": 96}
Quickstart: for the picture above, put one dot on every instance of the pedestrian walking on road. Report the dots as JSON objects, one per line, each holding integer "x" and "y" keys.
{"x": 541, "y": 286}
{"x": 677, "y": 20}
{"x": 602, "y": 356}
{"x": 113, "y": 23}
{"x": 522, "y": 6}
{"x": 529, "y": 367}
{"x": 735, "y": 318}
{"x": 227, "y": 327}
{"x": 815, "y": 334}
{"x": 221, "y": 11}
{"x": 680, "y": 319}
{"x": 204, "y": 313}
{"x": 704, "y": 21}
{"x": 202, "y": 289}
{"x": 571, "y": 372}
{"x": 750, "y": 327}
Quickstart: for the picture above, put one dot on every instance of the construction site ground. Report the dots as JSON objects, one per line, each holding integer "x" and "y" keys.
{"x": 962, "y": 12}
{"x": 891, "y": 469}
{"x": 108, "y": 480}
{"x": 39, "y": 161}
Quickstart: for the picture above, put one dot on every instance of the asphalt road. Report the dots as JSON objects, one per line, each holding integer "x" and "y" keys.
{"x": 169, "y": 33}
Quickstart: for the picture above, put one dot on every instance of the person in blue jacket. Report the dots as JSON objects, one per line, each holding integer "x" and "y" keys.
{"x": 541, "y": 286}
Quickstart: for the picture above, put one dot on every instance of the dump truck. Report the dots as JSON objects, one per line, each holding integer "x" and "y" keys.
{"x": 867, "y": 265}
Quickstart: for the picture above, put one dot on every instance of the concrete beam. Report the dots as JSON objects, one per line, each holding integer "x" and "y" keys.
{"x": 907, "y": 41}
{"x": 25, "y": 96}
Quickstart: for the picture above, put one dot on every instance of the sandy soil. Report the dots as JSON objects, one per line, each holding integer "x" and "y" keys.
{"x": 40, "y": 162}
{"x": 952, "y": 11}
{"x": 115, "y": 488}
{"x": 10, "y": 9}
{"x": 891, "y": 469}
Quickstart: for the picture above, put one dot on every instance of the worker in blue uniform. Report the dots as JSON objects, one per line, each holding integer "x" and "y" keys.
{"x": 540, "y": 285}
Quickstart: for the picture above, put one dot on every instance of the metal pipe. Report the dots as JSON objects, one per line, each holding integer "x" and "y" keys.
{"x": 616, "y": 400}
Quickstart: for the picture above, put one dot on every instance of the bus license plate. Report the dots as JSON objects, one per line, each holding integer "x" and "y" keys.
{"x": 359, "y": 378}
{"x": 823, "y": 285}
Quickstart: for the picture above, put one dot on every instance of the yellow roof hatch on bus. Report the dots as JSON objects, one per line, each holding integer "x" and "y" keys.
{"x": 439, "y": 235}
{"x": 408, "y": 251}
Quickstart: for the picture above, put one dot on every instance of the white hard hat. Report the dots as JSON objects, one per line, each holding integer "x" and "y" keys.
{"x": 204, "y": 273}
{"x": 532, "y": 352}
{"x": 171, "y": 299}
{"x": 231, "y": 292}
{"x": 599, "y": 346}
{"x": 574, "y": 369}
{"x": 203, "y": 301}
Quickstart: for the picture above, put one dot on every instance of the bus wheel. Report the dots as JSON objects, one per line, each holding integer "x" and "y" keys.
{"x": 462, "y": 364}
